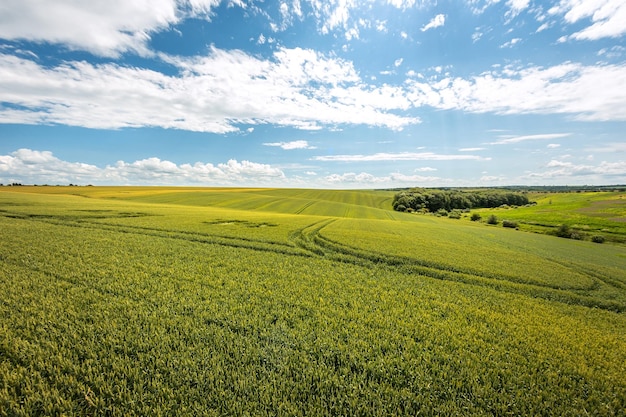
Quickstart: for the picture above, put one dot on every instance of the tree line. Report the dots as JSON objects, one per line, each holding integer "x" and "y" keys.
{"x": 432, "y": 200}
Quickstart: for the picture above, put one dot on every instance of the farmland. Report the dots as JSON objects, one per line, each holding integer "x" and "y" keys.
{"x": 191, "y": 301}
{"x": 588, "y": 213}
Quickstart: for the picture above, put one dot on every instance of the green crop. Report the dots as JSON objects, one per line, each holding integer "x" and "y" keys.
{"x": 165, "y": 301}
{"x": 587, "y": 213}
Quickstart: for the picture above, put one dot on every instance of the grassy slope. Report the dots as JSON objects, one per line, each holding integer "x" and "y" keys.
{"x": 203, "y": 302}
{"x": 602, "y": 213}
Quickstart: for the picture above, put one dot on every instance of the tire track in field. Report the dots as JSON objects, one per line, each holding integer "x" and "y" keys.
{"x": 195, "y": 237}
{"x": 311, "y": 239}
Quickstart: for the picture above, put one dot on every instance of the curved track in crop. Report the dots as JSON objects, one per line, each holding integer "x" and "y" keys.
{"x": 312, "y": 239}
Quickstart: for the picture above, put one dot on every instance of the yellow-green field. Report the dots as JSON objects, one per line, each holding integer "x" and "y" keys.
{"x": 588, "y": 213}
{"x": 191, "y": 301}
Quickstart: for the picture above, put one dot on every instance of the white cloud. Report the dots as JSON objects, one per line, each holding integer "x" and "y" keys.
{"x": 511, "y": 43}
{"x": 553, "y": 145}
{"x": 364, "y": 179}
{"x": 604, "y": 172}
{"x": 613, "y": 52}
{"x": 107, "y": 28}
{"x": 403, "y": 156}
{"x": 398, "y": 62}
{"x": 506, "y": 140}
{"x": 608, "y": 17}
{"x": 615, "y": 147}
{"x": 425, "y": 169}
{"x": 229, "y": 88}
{"x": 435, "y": 22}
{"x": 26, "y": 165}
{"x": 42, "y": 167}
{"x": 296, "y": 144}
{"x": 591, "y": 93}
{"x": 479, "y": 6}
{"x": 471, "y": 149}
{"x": 515, "y": 8}
{"x": 543, "y": 27}
{"x": 381, "y": 26}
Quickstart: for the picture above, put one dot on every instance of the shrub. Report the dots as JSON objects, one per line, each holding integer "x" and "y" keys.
{"x": 455, "y": 214}
{"x": 597, "y": 239}
{"x": 510, "y": 223}
{"x": 564, "y": 231}
{"x": 492, "y": 219}
{"x": 475, "y": 217}
{"x": 442, "y": 212}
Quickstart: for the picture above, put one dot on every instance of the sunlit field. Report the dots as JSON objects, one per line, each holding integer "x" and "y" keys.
{"x": 191, "y": 301}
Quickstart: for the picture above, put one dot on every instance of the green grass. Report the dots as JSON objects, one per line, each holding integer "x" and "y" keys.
{"x": 589, "y": 213}
{"x": 157, "y": 301}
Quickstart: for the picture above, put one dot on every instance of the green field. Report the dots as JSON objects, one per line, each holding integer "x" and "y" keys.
{"x": 264, "y": 302}
{"x": 588, "y": 213}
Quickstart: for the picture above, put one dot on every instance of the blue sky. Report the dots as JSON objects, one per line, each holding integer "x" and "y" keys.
{"x": 313, "y": 93}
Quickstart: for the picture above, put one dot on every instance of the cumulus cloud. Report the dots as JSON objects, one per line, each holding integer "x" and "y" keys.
{"x": 295, "y": 87}
{"x": 435, "y": 22}
{"x": 608, "y": 17}
{"x": 42, "y": 167}
{"x": 403, "y": 156}
{"x": 296, "y": 144}
{"x": 106, "y": 28}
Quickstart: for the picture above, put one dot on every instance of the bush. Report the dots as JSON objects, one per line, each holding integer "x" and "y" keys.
{"x": 455, "y": 214}
{"x": 564, "y": 231}
{"x": 442, "y": 212}
{"x": 597, "y": 239}
{"x": 510, "y": 223}
{"x": 475, "y": 217}
{"x": 492, "y": 219}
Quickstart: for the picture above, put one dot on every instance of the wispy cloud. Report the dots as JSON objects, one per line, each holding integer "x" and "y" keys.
{"x": 471, "y": 149}
{"x": 515, "y": 8}
{"x": 404, "y": 156}
{"x": 296, "y": 144}
{"x": 511, "y": 43}
{"x": 368, "y": 180}
{"x": 506, "y": 140}
{"x": 615, "y": 147}
{"x": 608, "y": 17}
{"x": 588, "y": 93}
{"x": 435, "y": 22}
{"x": 612, "y": 172}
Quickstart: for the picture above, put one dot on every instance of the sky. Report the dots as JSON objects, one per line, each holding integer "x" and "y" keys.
{"x": 313, "y": 93}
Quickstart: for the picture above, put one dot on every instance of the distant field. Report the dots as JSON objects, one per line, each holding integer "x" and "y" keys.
{"x": 590, "y": 213}
{"x": 191, "y": 301}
